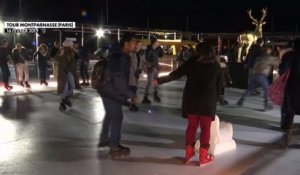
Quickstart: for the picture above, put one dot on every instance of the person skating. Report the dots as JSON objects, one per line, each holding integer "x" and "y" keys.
{"x": 41, "y": 55}
{"x": 254, "y": 51}
{"x": 201, "y": 93}
{"x": 261, "y": 71}
{"x": 84, "y": 65}
{"x": 136, "y": 63}
{"x": 4, "y": 58}
{"x": 152, "y": 69}
{"x": 21, "y": 59}
{"x": 114, "y": 93}
{"x": 66, "y": 70}
{"x": 227, "y": 80}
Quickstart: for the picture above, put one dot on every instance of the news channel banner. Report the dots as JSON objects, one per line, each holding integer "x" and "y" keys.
{"x": 35, "y": 27}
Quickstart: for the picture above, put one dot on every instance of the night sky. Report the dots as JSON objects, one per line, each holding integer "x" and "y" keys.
{"x": 204, "y": 16}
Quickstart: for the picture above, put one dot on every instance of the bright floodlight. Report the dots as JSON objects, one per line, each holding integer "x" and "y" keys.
{"x": 100, "y": 33}
{"x": 1, "y": 27}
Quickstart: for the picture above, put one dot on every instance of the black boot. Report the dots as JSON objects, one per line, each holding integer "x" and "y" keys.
{"x": 223, "y": 101}
{"x": 67, "y": 102}
{"x": 22, "y": 84}
{"x": 240, "y": 102}
{"x": 156, "y": 98}
{"x": 268, "y": 106}
{"x": 286, "y": 138}
{"x": 146, "y": 100}
{"x": 133, "y": 108}
{"x": 27, "y": 84}
{"x": 62, "y": 107}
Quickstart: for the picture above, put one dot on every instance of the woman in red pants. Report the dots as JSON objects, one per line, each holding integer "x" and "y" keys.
{"x": 201, "y": 93}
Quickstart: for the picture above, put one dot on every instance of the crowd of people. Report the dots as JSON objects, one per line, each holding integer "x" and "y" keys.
{"x": 206, "y": 77}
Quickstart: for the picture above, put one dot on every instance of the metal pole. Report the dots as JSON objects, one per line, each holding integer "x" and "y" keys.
{"x": 175, "y": 36}
{"x": 36, "y": 41}
{"x": 20, "y": 8}
{"x": 15, "y": 39}
{"x": 60, "y": 37}
{"x": 107, "y": 12}
{"x": 82, "y": 36}
{"x": 118, "y": 34}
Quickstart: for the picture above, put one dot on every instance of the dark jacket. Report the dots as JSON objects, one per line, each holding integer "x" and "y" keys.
{"x": 286, "y": 61}
{"x": 3, "y": 56}
{"x": 152, "y": 57}
{"x": 20, "y": 57}
{"x": 293, "y": 86}
{"x": 202, "y": 89}
{"x": 65, "y": 65}
{"x": 83, "y": 55}
{"x": 254, "y": 51}
{"x": 53, "y": 52}
{"x": 264, "y": 64}
{"x": 42, "y": 60}
{"x": 116, "y": 78}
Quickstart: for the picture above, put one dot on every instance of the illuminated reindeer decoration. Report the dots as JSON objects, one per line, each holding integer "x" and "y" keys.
{"x": 247, "y": 39}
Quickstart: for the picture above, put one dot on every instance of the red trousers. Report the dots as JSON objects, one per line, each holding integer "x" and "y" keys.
{"x": 193, "y": 123}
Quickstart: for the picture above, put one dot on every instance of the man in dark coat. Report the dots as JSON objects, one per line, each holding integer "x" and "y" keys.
{"x": 114, "y": 93}
{"x": 254, "y": 51}
{"x": 4, "y": 55}
{"x": 153, "y": 53}
{"x": 291, "y": 105}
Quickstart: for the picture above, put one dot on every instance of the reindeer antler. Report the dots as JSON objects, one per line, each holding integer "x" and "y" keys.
{"x": 264, "y": 14}
{"x": 250, "y": 15}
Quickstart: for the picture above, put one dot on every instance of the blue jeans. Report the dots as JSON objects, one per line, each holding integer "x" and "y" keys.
{"x": 152, "y": 73}
{"x": 69, "y": 87}
{"x": 257, "y": 81}
{"x": 112, "y": 123}
{"x": 5, "y": 73}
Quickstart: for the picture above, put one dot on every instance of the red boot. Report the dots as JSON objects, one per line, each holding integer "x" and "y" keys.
{"x": 204, "y": 157}
{"x": 189, "y": 153}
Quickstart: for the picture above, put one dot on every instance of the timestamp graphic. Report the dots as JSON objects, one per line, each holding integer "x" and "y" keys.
{"x": 24, "y": 30}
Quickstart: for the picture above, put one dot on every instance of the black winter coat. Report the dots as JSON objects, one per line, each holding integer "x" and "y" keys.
{"x": 202, "y": 89}
{"x": 293, "y": 86}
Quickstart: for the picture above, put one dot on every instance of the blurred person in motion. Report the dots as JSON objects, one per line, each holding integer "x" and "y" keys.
{"x": 21, "y": 59}
{"x": 77, "y": 57}
{"x": 201, "y": 93}
{"x": 84, "y": 58}
{"x": 41, "y": 55}
{"x": 4, "y": 59}
{"x": 137, "y": 59}
{"x": 227, "y": 80}
{"x": 152, "y": 69}
{"x": 261, "y": 70}
{"x": 66, "y": 71}
{"x": 254, "y": 51}
{"x": 53, "y": 53}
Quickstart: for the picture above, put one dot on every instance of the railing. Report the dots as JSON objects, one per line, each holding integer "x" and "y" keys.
{"x": 167, "y": 64}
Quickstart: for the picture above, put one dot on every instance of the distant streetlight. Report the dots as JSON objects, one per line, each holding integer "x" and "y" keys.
{"x": 100, "y": 33}
{"x": 166, "y": 36}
